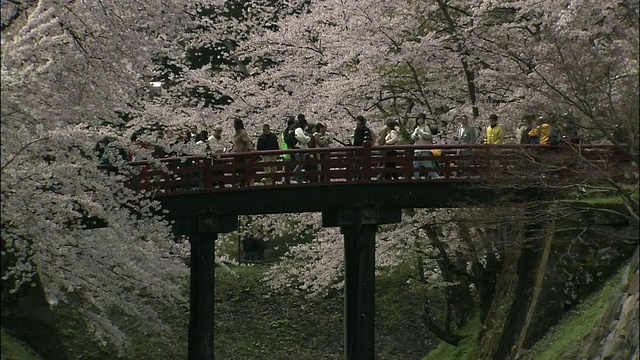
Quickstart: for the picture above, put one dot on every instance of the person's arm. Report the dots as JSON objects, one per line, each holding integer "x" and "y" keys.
{"x": 473, "y": 135}
{"x": 301, "y": 136}
{"x": 391, "y": 138}
{"x": 416, "y": 134}
{"x": 382, "y": 136}
{"x": 535, "y": 132}
{"x": 274, "y": 142}
{"x": 487, "y": 135}
{"x": 426, "y": 134}
{"x": 324, "y": 140}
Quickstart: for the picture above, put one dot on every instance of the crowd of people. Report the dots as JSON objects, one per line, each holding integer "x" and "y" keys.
{"x": 300, "y": 134}
{"x": 253, "y": 246}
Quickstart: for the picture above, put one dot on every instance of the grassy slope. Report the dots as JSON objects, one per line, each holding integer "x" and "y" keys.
{"x": 80, "y": 343}
{"x": 12, "y": 349}
{"x": 566, "y": 340}
{"x": 250, "y": 323}
{"x": 445, "y": 351}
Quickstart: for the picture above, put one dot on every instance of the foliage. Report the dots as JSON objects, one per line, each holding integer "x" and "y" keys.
{"x": 566, "y": 340}
{"x": 444, "y": 58}
{"x": 73, "y": 72}
{"x": 252, "y": 321}
{"x": 446, "y": 351}
{"x": 67, "y": 67}
{"x": 12, "y": 349}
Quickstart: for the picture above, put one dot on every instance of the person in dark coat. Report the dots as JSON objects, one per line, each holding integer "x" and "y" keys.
{"x": 249, "y": 247}
{"x": 260, "y": 245}
{"x": 268, "y": 141}
{"x": 362, "y": 133}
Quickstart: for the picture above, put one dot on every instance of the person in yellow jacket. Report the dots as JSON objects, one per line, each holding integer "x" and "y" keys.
{"x": 495, "y": 132}
{"x": 542, "y": 132}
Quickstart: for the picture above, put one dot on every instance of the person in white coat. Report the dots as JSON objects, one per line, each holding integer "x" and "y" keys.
{"x": 422, "y": 135}
{"x": 390, "y": 134}
{"x": 302, "y": 143}
{"x": 466, "y": 134}
{"x": 216, "y": 142}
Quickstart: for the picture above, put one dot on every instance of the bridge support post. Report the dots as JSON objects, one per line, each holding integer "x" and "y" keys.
{"x": 359, "y": 292}
{"x": 359, "y": 226}
{"x": 203, "y": 230}
{"x": 202, "y": 295}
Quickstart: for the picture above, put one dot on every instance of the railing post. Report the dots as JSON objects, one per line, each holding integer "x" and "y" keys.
{"x": 367, "y": 160}
{"x": 207, "y": 173}
{"x": 409, "y": 158}
{"x": 326, "y": 174}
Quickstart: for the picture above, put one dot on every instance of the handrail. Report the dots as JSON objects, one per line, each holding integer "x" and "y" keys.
{"x": 366, "y": 164}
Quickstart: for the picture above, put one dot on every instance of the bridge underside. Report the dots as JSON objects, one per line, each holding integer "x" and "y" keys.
{"x": 318, "y": 198}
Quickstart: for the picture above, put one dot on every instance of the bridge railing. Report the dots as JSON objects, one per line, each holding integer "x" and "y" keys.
{"x": 368, "y": 163}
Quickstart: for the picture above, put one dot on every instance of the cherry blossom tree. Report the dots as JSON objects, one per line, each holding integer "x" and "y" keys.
{"x": 67, "y": 68}
{"x": 445, "y": 58}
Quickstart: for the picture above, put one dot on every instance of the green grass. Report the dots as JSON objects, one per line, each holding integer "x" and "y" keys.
{"x": 253, "y": 322}
{"x": 464, "y": 351}
{"x": 607, "y": 194}
{"x": 12, "y": 349}
{"x": 398, "y": 311}
{"x": 566, "y": 340}
{"x": 142, "y": 343}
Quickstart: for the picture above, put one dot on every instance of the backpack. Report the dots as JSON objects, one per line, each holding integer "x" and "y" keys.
{"x": 554, "y": 136}
{"x": 290, "y": 139}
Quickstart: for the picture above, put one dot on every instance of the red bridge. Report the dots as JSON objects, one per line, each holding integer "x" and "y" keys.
{"x": 357, "y": 189}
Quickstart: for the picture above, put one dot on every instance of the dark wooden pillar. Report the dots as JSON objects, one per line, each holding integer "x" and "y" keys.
{"x": 203, "y": 230}
{"x": 202, "y": 296}
{"x": 351, "y": 248}
{"x": 359, "y": 225}
{"x": 359, "y": 291}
